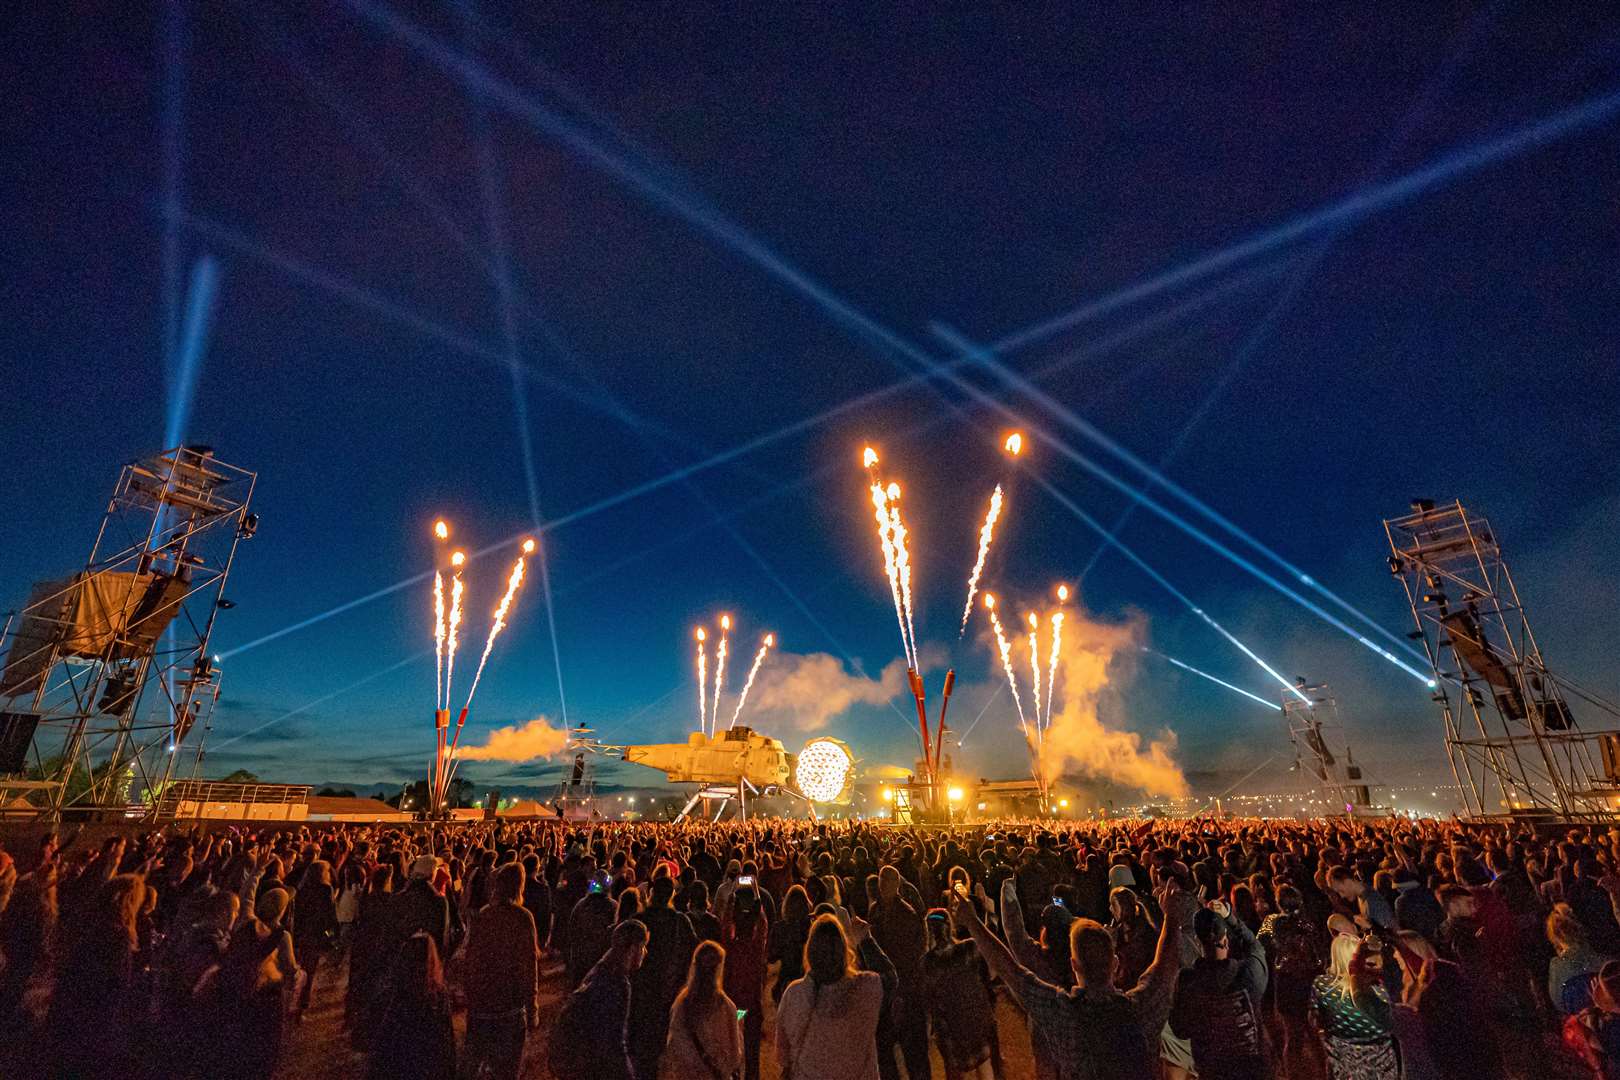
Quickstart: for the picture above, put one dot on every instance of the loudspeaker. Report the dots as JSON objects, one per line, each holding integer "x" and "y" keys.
{"x": 579, "y": 770}
{"x": 16, "y": 732}
{"x": 1467, "y": 639}
{"x": 1610, "y": 746}
{"x": 1555, "y": 715}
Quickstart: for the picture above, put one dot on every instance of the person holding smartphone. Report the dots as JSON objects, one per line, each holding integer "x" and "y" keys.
{"x": 745, "y": 933}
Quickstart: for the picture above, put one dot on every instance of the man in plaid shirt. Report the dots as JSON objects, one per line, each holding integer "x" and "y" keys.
{"x": 1094, "y": 1031}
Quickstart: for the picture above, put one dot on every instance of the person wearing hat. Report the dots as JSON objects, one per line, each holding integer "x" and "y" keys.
{"x": 1217, "y": 1002}
{"x": 419, "y": 907}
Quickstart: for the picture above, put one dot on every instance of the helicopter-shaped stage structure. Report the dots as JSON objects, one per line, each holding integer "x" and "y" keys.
{"x": 738, "y": 764}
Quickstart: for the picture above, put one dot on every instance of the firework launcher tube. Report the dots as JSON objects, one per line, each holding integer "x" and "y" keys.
{"x": 451, "y": 762}
{"x": 922, "y": 726}
{"x": 944, "y": 703}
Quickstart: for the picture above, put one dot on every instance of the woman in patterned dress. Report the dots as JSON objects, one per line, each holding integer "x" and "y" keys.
{"x": 1351, "y": 1009}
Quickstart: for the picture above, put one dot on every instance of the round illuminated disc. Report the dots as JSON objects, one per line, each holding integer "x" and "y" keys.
{"x": 823, "y": 770}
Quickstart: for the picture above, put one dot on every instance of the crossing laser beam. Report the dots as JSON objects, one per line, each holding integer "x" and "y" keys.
{"x": 1183, "y": 665}
{"x": 1353, "y": 207}
{"x": 1165, "y": 513}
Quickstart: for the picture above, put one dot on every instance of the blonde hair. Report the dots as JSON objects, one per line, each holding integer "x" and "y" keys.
{"x": 1342, "y": 954}
{"x": 704, "y": 976}
{"x": 1564, "y": 930}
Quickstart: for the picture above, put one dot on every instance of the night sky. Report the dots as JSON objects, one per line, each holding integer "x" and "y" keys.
{"x": 694, "y": 230}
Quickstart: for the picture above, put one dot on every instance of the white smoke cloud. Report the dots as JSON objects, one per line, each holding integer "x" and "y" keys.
{"x": 804, "y": 692}
{"x": 1098, "y": 658}
{"x": 537, "y": 738}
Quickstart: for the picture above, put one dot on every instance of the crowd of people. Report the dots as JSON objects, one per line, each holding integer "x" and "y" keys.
{"x": 1217, "y": 949}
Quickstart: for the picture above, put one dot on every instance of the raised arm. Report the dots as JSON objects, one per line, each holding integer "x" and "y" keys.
{"x": 1023, "y": 947}
{"x": 1154, "y": 992}
{"x": 1023, "y": 983}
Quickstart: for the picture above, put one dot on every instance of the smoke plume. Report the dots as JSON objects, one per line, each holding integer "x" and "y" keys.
{"x": 535, "y": 739}
{"x": 805, "y": 691}
{"x": 1095, "y": 659}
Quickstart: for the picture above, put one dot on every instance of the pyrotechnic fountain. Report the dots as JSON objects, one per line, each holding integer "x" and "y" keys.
{"x": 892, "y": 542}
{"x": 446, "y": 640}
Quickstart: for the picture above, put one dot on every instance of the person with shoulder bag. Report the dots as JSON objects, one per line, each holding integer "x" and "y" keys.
{"x": 705, "y": 1027}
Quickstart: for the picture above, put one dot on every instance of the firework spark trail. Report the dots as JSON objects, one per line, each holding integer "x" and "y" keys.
{"x": 759, "y": 658}
{"x": 880, "y": 504}
{"x": 441, "y": 532}
{"x": 1052, "y": 665}
{"x": 703, "y": 679}
{"x": 456, "y": 561}
{"x": 1006, "y": 661}
{"x": 902, "y": 564}
{"x": 438, "y": 640}
{"x": 987, "y": 532}
{"x": 1035, "y": 668}
{"x": 719, "y": 671}
{"x": 499, "y": 624}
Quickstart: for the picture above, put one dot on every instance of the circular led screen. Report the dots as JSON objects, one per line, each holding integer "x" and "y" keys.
{"x": 823, "y": 770}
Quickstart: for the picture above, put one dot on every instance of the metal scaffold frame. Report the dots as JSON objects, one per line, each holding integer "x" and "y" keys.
{"x": 1321, "y": 749}
{"x": 81, "y": 654}
{"x": 1514, "y": 744}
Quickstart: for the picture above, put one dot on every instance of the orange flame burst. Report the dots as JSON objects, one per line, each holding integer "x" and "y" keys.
{"x": 748, "y": 684}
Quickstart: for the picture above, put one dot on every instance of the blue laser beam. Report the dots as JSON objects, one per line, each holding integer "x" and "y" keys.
{"x": 685, "y": 472}
{"x": 1000, "y": 686}
{"x": 1350, "y": 208}
{"x": 481, "y": 81}
{"x": 368, "y": 300}
{"x": 495, "y": 227}
{"x": 340, "y": 691}
{"x": 193, "y": 344}
{"x": 171, "y": 124}
{"x": 1182, "y": 664}
{"x": 1262, "y": 331}
{"x": 1142, "y": 564}
{"x": 1074, "y": 421}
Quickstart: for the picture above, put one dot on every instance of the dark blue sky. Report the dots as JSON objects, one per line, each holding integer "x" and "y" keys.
{"x": 985, "y": 171}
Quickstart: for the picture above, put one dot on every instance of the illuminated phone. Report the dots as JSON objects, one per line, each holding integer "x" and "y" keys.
{"x": 741, "y": 1013}
{"x": 745, "y": 879}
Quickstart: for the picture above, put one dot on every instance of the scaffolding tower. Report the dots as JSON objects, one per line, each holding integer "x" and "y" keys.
{"x": 1321, "y": 750}
{"x": 79, "y": 732}
{"x": 575, "y": 797}
{"x": 1516, "y": 749}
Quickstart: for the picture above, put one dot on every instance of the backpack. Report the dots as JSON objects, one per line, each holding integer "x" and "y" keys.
{"x": 1298, "y": 955}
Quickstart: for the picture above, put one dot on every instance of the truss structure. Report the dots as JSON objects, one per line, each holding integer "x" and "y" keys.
{"x": 575, "y": 797}
{"x": 1321, "y": 751}
{"x": 111, "y": 667}
{"x": 1514, "y": 743}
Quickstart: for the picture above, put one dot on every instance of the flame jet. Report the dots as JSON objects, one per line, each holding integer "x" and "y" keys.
{"x": 452, "y": 639}
{"x": 1057, "y": 642}
{"x": 987, "y": 533}
{"x": 1006, "y": 661}
{"x": 495, "y": 628}
{"x": 902, "y": 564}
{"x": 720, "y": 670}
{"x": 703, "y": 679}
{"x": 880, "y": 508}
{"x": 1035, "y": 668}
{"x": 748, "y": 684}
